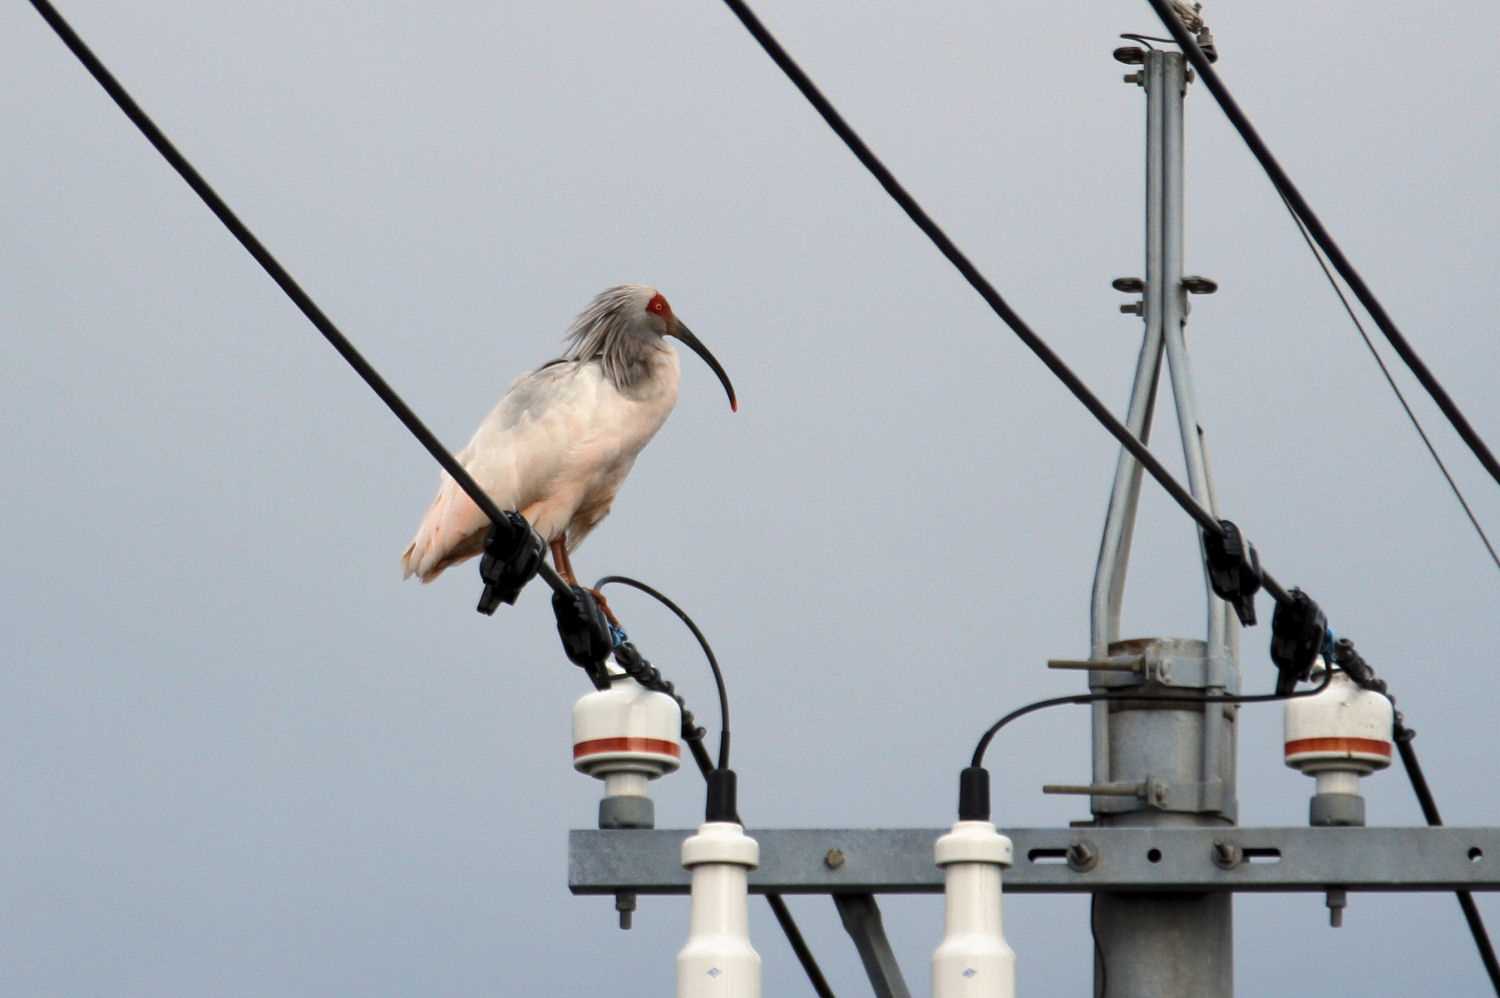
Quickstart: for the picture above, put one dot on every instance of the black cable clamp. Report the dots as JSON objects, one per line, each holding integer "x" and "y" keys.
{"x": 584, "y": 632}
{"x": 512, "y": 557}
{"x": 629, "y": 658}
{"x": 1233, "y": 569}
{"x": 1346, "y": 658}
{"x": 1297, "y": 630}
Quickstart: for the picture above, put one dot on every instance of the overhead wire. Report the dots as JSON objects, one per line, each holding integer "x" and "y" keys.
{"x": 708, "y": 653}
{"x": 1313, "y": 229}
{"x": 377, "y": 383}
{"x": 1288, "y": 190}
{"x": 980, "y": 283}
{"x": 977, "y": 759}
{"x": 1390, "y": 380}
{"x": 279, "y": 274}
{"x": 1428, "y": 803}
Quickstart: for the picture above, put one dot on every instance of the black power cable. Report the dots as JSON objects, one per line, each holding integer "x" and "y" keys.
{"x": 1303, "y": 210}
{"x": 283, "y": 279}
{"x": 977, "y": 760}
{"x": 979, "y": 283}
{"x": 1311, "y": 226}
{"x": 713, "y": 662}
{"x": 378, "y": 384}
{"x": 1475, "y": 920}
{"x": 1390, "y": 380}
{"x": 706, "y": 767}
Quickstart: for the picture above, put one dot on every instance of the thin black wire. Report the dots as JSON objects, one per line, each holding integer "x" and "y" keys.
{"x": 979, "y": 283}
{"x": 1353, "y": 317}
{"x": 277, "y": 272}
{"x": 1081, "y": 698}
{"x": 705, "y": 766}
{"x": 1303, "y": 210}
{"x": 713, "y": 663}
{"x": 1404, "y": 736}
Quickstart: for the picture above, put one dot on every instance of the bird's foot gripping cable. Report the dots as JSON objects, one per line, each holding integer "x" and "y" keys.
{"x": 512, "y": 557}
{"x": 585, "y": 633}
{"x": 1233, "y": 569}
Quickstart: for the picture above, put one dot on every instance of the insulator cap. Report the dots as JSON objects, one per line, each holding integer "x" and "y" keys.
{"x": 973, "y": 842}
{"x": 626, "y": 729}
{"x": 1342, "y": 728}
{"x": 974, "y": 794}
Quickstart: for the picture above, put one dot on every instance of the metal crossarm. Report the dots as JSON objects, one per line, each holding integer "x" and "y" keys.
{"x": 1048, "y": 860}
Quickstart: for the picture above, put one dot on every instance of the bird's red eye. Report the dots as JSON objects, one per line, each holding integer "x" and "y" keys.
{"x": 658, "y": 304}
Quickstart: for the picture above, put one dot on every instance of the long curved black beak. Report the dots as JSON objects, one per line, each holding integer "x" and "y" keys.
{"x": 683, "y": 333}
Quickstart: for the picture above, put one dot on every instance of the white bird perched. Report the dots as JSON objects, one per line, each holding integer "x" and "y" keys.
{"x": 559, "y": 444}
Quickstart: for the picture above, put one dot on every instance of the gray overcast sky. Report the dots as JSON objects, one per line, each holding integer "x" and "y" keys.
{"x": 241, "y": 757}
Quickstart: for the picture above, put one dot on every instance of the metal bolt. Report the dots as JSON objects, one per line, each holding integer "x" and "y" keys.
{"x": 625, "y": 905}
{"x": 1158, "y": 793}
{"x": 833, "y": 858}
{"x": 1227, "y": 855}
{"x": 1338, "y": 900}
{"x": 1138, "y": 79}
{"x": 1082, "y": 857}
{"x": 1095, "y": 790}
{"x": 1129, "y": 664}
{"x": 1133, "y": 308}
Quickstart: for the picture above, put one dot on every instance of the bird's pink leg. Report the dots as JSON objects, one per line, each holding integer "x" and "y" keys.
{"x": 565, "y": 569}
{"x": 560, "y": 559}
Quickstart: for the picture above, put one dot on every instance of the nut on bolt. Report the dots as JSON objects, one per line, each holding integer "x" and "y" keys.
{"x": 1082, "y": 857}
{"x": 833, "y": 858}
{"x": 1227, "y": 855}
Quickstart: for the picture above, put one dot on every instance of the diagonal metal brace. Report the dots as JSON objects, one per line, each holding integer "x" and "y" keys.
{"x": 861, "y": 917}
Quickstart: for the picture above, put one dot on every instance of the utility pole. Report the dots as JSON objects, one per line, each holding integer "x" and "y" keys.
{"x": 1163, "y": 854}
{"x": 1159, "y": 764}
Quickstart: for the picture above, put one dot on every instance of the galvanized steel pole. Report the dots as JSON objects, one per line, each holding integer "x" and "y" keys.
{"x": 1153, "y": 945}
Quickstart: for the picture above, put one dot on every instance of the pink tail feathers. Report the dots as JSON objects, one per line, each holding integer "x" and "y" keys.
{"x": 452, "y": 531}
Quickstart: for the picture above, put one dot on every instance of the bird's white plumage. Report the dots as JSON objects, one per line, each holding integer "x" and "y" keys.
{"x": 556, "y": 448}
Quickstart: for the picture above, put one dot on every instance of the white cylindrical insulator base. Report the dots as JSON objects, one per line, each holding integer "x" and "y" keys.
{"x": 718, "y": 960}
{"x": 973, "y": 960}
{"x": 1344, "y": 727}
{"x": 625, "y": 784}
{"x": 626, "y": 729}
{"x": 1332, "y": 781}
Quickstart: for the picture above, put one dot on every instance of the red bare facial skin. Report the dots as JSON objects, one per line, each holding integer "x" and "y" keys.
{"x": 658, "y": 306}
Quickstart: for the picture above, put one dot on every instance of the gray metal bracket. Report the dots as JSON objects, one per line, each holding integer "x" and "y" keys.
{"x": 861, "y": 917}
{"x": 899, "y": 860}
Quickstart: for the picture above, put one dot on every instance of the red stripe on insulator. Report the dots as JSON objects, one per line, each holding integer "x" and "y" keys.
{"x": 1369, "y": 746}
{"x": 598, "y": 746}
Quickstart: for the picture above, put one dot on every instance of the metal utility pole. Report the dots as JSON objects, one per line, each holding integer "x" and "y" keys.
{"x": 1163, "y": 854}
{"x": 1157, "y": 764}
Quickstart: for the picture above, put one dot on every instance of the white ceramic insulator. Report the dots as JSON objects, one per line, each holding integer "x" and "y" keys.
{"x": 973, "y": 960}
{"x": 718, "y": 960}
{"x": 1344, "y": 728}
{"x": 626, "y": 729}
